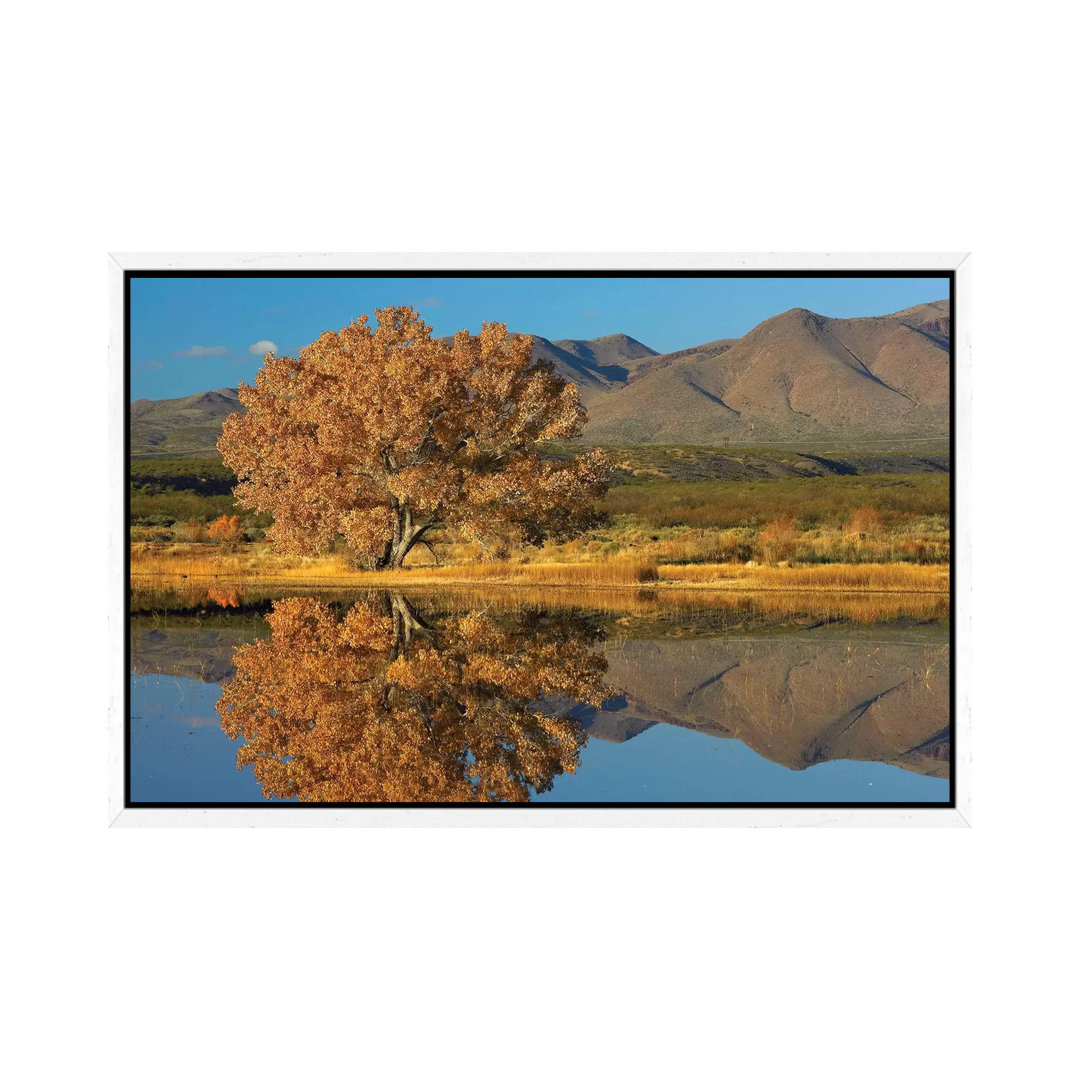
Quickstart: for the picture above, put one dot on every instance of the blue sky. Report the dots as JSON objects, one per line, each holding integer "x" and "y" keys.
{"x": 195, "y": 334}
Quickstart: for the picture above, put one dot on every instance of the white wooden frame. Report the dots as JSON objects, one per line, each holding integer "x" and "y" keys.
{"x": 676, "y": 817}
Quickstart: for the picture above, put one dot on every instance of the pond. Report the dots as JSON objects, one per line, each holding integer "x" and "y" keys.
{"x": 542, "y": 696}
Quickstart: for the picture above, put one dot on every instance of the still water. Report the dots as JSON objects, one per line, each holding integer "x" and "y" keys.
{"x": 509, "y": 698}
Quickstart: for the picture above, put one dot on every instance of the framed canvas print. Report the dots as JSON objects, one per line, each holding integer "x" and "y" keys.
{"x": 539, "y": 539}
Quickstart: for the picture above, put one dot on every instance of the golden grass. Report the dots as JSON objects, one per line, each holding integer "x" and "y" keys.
{"x": 652, "y": 602}
{"x": 860, "y": 607}
{"x": 627, "y": 605}
{"x": 195, "y": 562}
{"x": 255, "y": 564}
{"x": 876, "y": 577}
{"x": 192, "y": 561}
{"x": 600, "y": 573}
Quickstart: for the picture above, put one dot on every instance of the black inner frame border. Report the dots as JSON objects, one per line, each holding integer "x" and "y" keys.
{"x": 946, "y": 275}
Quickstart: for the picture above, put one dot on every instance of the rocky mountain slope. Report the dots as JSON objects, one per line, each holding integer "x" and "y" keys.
{"x": 798, "y": 377}
{"x": 598, "y": 366}
{"x": 188, "y": 425}
{"x": 795, "y": 377}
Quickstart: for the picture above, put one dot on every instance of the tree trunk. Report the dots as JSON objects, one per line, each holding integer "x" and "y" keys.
{"x": 410, "y": 619}
{"x": 406, "y": 620}
{"x": 406, "y": 534}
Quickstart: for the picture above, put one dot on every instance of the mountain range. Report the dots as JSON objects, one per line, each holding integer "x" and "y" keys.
{"x": 796, "y": 377}
{"x": 188, "y": 425}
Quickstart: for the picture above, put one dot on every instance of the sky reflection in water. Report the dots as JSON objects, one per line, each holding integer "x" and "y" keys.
{"x": 435, "y": 701}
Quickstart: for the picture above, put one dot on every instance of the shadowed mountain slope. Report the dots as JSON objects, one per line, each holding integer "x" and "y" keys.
{"x": 188, "y": 425}
{"x": 795, "y": 377}
{"x": 599, "y": 366}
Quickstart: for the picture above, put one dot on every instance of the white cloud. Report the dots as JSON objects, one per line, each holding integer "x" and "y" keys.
{"x": 152, "y": 365}
{"x": 203, "y": 350}
{"x": 430, "y": 301}
{"x": 261, "y": 348}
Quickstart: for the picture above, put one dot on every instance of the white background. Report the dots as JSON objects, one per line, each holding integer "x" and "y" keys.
{"x": 590, "y": 127}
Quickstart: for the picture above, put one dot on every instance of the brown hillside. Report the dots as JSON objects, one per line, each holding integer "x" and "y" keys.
{"x": 798, "y": 377}
{"x": 597, "y": 366}
{"x": 610, "y": 353}
{"x": 189, "y": 425}
{"x": 795, "y": 377}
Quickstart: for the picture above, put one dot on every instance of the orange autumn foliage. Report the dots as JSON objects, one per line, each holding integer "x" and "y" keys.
{"x": 381, "y": 707}
{"x": 225, "y": 528}
{"x": 383, "y": 437}
{"x": 226, "y": 598}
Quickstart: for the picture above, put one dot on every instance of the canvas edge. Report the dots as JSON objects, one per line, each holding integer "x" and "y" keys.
{"x": 550, "y": 817}
{"x": 117, "y": 547}
{"x": 962, "y": 539}
{"x": 544, "y": 260}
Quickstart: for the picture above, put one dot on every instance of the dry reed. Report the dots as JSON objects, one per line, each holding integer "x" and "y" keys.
{"x": 879, "y": 577}
{"x": 196, "y": 562}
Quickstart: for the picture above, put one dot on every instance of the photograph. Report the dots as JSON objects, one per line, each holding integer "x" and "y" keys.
{"x": 516, "y": 520}
{"x": 545, "y": 538}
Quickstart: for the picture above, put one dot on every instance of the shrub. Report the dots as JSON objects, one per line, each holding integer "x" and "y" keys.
{"x": 226, "y": 598}
{"x": 864, "y": 522}
{"x": 728, "y": 546}
{"x": 643, "y": 570}
{"x": 226, "y": 529}
{"x": 776, "y": 541}
{"x": 255, "y": 533}
{"x": 194, "y": 531}
{"x": 151, "y": 534}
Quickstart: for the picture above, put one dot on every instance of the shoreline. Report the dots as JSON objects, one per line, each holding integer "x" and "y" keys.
{"x": 670, "y": 586}
{"x": 864, "y": 579}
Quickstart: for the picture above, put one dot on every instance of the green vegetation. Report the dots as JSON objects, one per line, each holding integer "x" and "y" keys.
{"x": 822, "y": 519}
{"x": 667, "y": 504}
{"x": 166, "y": 470}
{"x": 169, "y": 507}
{"x": 694, "y": 464}
{"x": 168, "y": 494}
{"x": 822, "y": 500}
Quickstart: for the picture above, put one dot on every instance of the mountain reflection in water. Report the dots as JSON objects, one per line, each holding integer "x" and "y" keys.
{"x": 438, "y": 699}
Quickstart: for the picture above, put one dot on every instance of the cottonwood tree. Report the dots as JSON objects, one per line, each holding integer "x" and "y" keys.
{"x": 382, "y": 706}
{"x": 381, "y": 435}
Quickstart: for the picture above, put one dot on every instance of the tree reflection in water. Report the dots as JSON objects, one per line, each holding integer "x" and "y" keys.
{"x": 380, "y": 706}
